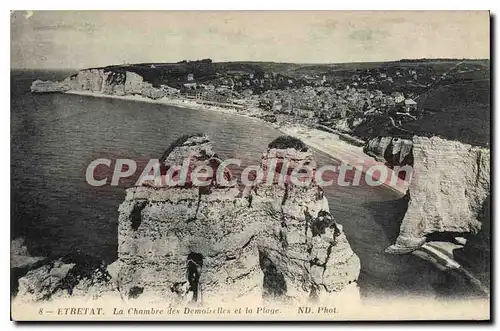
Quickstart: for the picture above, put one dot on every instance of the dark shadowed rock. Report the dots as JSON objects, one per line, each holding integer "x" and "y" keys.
{"x": 284, "y": 142}
{"x": 72, "y": 275}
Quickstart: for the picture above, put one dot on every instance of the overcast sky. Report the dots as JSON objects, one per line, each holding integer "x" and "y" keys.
{"x": 73, "y": 39}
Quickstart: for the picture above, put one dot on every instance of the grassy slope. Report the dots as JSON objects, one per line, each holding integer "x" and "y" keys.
{"x": 456, "y": 108}
{"x": 460, "y": 112}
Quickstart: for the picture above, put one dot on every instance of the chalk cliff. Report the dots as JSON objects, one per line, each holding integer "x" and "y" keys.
{"x": 305, "y": 248}
{"x": 74, "y": 275}
{"x": 215, "y": 243}
{"x": 40, "y": 86}
{"x": 105, "y": 82}
{"x": 391, "y": 150}
{"x": 450, "y": 184}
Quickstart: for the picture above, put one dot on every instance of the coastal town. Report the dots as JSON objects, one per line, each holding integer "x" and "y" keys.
{"x": 250, "y": 165}
{"x": 364, "y": 100}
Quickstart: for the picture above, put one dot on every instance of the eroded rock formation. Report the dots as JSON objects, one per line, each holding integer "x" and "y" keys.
{"x": 105, "y": 82}
{"x": 40, "y": 86}
{"x": 393, "y": 151}
{"x": 76, "y": 275}
{"x": 19, "y": 255}
{"x": 215, "y": 243}
{"x": 450, "y": 184}
{"x": 305, "y": 253}
{"x": 187, "y": 241}
{"x": 184, "y": 243}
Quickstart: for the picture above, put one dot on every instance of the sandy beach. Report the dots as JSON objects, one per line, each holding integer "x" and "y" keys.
{"x": 323, "y": 141}
{"x": 438, "y": 253}
{"x": 176, "y": 102}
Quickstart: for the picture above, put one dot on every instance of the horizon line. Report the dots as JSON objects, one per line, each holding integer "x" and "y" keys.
{"x": 253, "y": 61}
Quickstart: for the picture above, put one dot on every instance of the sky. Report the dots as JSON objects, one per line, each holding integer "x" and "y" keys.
{"x": 82, "y": 39}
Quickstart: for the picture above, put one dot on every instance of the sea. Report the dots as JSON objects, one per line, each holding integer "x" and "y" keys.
{"x": 55, "y": 136}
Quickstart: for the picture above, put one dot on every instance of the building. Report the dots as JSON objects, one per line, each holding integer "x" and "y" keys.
{"x": 398, "y": 97}
{"x": 190, "y": 86}
{"x": 410, "y": 105}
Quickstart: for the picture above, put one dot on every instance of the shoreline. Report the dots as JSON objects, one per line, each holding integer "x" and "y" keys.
{"x": 326, "y": 142}
{"x": 174, "y": 102}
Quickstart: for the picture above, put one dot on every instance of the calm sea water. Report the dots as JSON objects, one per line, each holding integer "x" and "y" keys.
{"x": 55, "y": 136}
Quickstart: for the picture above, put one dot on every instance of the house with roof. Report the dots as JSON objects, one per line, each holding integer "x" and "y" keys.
{"x": 410, "y": 105}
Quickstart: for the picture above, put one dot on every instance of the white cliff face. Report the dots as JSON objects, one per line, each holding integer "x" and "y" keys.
{"x": 40, "y": 86}
{"x": 88, "y": 80}
{"x": 189, "y": 243}
{"x": 133, "y": 83}
{"x": 306, "y": 248}
{"x": 215, "y": 244}
{"x": 105, "y": 82}
{"x": 450, "y": 183}
{"x": 68, "y": 276}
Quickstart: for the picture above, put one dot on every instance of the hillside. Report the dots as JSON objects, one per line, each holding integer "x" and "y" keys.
{"x": 449, "y": 98}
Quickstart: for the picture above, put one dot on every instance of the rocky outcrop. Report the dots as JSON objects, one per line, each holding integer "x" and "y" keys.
{"x": 185, "y": 242}
{"x": 21, "y": 261}
{"x": 106, "y": 82}
{"x": 151, "y": 92}
{"x": 75, "y": 275}
{"x": 305, "y": 253}
{"x": 216, "y": 243}
{"x": 19, "y": 255}
{"x": 40, "y": 86}
{"x": 390, "y": 150}
{"x": 450, "y": 184}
